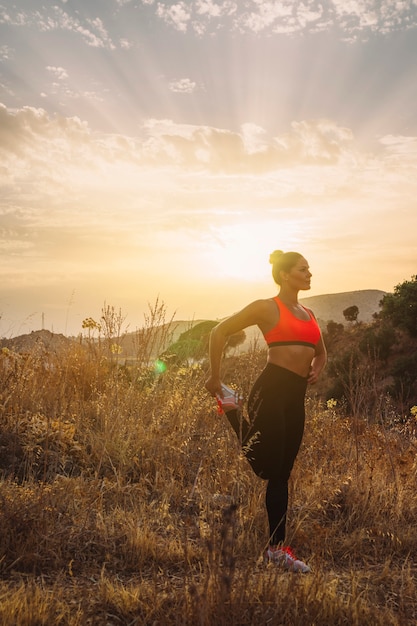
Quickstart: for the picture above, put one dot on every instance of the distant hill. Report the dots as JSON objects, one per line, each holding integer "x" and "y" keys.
{"x": 326, "y": 308}
{"x": 42, "y": 339}
{"x": 159, "y": 338}
{"x": 330, "y": 307}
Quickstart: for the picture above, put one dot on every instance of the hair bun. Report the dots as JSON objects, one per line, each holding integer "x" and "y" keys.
{"x": 275, "y": 255}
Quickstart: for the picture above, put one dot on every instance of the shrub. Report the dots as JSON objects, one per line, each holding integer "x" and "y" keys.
{"x": 404, "y": 373}
{"x": 377, "y": 341}
{"x": 400, "y": 307}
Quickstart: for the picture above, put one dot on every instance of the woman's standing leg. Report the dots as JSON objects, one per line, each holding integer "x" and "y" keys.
{"x": 277, "y": 410}
{"x": 276, "y": 500}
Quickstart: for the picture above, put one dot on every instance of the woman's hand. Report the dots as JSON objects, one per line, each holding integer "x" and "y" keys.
{"x": 312, "y": 376}
{"x": 317, "y": 364}
{"x": 213, "y": 385}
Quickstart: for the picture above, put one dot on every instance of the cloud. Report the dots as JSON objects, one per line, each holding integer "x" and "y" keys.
{"x": 400, "y": 145}
{"x": 91, "y": 30}
{"x": 125, "y": 44}
{"x": 54, "y": 158}
{"x": 6, "y": 89}
{"x": 6, "y": 52}
{"x": 183, "y": 85}
{"x": 353, "y": 18}
{"x": 59, "y": 72}
{"x": 266, "y": 15}
{"x": 101, "y": 34}
{"x": 12, "y": 17}
{"x": 55, "y": 170}
{"x": 57, "y": 167}
{"x": 215, "y": 9}
{"x": 307, "y": 142}
{"x": 177, "y": 15}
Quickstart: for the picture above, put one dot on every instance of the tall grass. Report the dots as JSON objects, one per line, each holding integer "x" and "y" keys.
{"x": 125, "y": 499}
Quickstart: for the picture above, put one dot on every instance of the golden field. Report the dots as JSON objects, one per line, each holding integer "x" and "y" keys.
{"x": 125, "y": 500}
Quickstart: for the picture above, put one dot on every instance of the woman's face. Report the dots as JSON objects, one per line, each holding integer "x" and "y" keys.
{"x": 299, "y": 276}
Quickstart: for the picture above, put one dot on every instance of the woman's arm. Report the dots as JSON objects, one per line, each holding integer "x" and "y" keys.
{"x": 318, "y": 362}
{"x": 252, "y": 314}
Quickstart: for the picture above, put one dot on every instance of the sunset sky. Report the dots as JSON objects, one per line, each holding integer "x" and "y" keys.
{"x": 153, "y": 149}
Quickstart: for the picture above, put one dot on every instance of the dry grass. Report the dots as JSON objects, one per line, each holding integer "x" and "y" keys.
{"x": 125, "y": 500}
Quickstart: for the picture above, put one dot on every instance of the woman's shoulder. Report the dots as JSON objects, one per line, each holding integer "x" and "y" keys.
{"x": 257, "y": 312}
{"x": 261, "y": 310}
{"x": 268, "y": 303}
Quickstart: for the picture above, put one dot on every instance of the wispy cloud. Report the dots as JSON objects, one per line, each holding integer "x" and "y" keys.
{"x": 36, "y": 146}
{"x": 177, "y": 15}
{"x": 353, "y": 18}
{"x": 59, "y": 72}
{"x": 6, "y": 52}
{"x": 307, "y": 142}
{"x": 125, "y": 44}
{"x": 215, "y": 9}
{"x": 92, "y": 31}
{"x": 51, "y": 157}
{"x": 183, "y": 85}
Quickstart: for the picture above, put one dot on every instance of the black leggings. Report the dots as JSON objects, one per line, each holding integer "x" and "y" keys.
{"x": 273, "y": 437}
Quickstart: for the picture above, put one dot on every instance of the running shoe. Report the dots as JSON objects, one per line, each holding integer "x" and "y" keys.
{"x": 285, "y": 557}
{"x": 230, "y": 400}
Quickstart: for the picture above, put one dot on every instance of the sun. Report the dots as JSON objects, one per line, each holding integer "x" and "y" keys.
{"x": 241, "y": 250}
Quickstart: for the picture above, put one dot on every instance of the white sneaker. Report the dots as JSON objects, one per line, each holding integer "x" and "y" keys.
{"x": 230, "y": 400}
{"x": 285, "y": 557}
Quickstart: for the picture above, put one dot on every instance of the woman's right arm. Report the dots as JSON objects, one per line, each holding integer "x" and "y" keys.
{"x": 252, "y": 314}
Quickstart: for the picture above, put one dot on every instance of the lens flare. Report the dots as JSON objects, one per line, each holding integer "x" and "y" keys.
{"x": 159, "y": 367}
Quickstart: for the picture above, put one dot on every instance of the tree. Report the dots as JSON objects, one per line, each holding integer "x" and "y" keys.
{"x": 351, "y": 313}
{"x": 377, "y": 341}
{"x": 400, "y": 308}
{"x": 404, "y": 374}
{"x": 192, "y": 345}
{"x": 334, "y": 329}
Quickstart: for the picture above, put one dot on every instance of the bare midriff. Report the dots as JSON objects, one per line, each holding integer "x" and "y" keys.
{"x": 295, "y": 358}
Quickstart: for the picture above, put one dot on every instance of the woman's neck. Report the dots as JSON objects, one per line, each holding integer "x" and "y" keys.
{"x": 288, "y": 296}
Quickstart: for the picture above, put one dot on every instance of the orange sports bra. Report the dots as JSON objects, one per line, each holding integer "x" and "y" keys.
{"x": 292, "y": 331}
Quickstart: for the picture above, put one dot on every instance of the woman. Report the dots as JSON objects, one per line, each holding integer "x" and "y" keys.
{"x": 296, "y": 356}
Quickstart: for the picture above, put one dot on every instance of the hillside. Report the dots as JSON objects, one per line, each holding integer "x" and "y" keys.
{"x": 330, "y": 307}
{"x": 126, "y": 498}
{"x": 43, "y": 340}
{"x": 326, "y": 308}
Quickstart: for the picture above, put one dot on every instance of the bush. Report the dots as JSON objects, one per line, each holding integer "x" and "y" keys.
{"x": 377, "y": 342}
{"x": 404, "y": 373}
{"x": 400, "y": 308}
